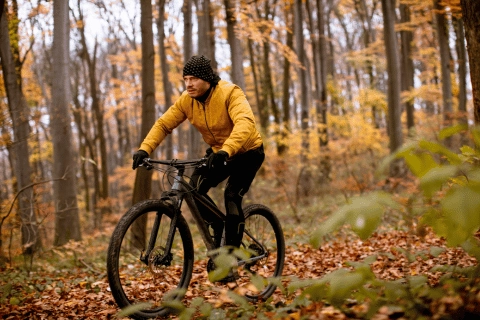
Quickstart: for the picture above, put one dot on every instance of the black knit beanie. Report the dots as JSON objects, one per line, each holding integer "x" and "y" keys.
{"x": 199, "y": 66}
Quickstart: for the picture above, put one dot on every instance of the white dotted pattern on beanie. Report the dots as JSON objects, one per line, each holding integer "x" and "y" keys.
{"x": 199, "y": 67}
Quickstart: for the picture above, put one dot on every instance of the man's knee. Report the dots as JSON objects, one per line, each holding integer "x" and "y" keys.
{"x": 233, "y": 201}
{"x": 232, "y": 208}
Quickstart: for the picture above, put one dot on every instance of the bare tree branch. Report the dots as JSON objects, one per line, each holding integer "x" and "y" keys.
{"x": 20, "y": 191}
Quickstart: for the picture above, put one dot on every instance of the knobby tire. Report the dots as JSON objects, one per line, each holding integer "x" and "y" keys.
{"x": 131, "y": 281}
{"x": 265, "y": 226}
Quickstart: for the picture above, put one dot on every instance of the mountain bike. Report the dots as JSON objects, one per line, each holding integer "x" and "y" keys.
{"x": 151, "y": 252}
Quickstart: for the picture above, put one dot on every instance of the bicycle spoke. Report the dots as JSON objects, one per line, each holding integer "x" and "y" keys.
{"x": 150, "y": 276}
{"x": 263, "y": 239}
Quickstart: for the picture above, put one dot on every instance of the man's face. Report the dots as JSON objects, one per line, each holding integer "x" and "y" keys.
{"x": 196, "y": 87}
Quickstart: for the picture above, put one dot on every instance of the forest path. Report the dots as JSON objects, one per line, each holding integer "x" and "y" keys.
{"x": 83, "y": 293}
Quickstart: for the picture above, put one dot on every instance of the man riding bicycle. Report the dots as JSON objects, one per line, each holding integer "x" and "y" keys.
{"x": 219, "y": 110}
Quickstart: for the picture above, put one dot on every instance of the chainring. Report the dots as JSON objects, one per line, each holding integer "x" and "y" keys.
{"x": 256, "y": 250}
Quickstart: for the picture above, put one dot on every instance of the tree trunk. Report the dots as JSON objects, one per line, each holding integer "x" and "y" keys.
{"x": 86, "y": 148}
{"x": 67, "y": 224}
{"x": 193, "y": 135}
{"x": 268, "y": 102}
{"x": 323, "y": 160}
{"x": 251, "y": 53}
{"x": 143, "y": 178}
{"x": 235, "y": 46}
{"x": 305, "y": 177}
{"x": 303, "y": 78}
{"x": 19, "y": 150}
{"x": 167, "y": 86}
{"x": 268, "y": 94}
{"x": 407, "y": 64}
{"x": 331, "y": 52}
{"x": 368, "y": 38}
{"x": 349, "y": 44}
{"x": 121, "y": 118}
{"x": 444, "y": 50}
{"x": 471, "y": 18}
{"x": 317, "y": 68}
{"x": 187, "y": 30}
{"x": 322, "y": 43}
{"x": 2, "y": 6}
{"x": 205, "y": 48}
{"x": 283, "y": 147}
{"x": 462, "y": 68}
{"x": 393, "y": 69}
{"x": 98, "y": 114}
{"x": 258, "y": 80}
{"x": 205, "y": 22}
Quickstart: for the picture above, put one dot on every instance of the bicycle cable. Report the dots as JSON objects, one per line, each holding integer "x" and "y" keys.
{"x": 170, "y": 174}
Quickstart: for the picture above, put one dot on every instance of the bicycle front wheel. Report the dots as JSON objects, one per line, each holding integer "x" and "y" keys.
{"x": 263, "y": 238}
{"x": 139, "y": 270}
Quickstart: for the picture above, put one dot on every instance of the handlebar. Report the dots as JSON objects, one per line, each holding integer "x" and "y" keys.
{"x": 176, "y": 163}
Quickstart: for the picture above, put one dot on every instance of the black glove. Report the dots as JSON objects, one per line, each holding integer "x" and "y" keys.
{"x": 217, "y": 161}
{"x": 138, "y": 158}
{"x": 208, "y": 152}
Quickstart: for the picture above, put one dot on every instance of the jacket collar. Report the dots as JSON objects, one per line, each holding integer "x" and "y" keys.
{"x": 205, "y": 96}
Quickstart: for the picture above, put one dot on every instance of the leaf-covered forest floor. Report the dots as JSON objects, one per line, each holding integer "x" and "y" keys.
{"x": 70, "y": 283}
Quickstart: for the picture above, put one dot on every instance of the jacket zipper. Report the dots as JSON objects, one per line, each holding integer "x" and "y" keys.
{"x": 206, "y": 122}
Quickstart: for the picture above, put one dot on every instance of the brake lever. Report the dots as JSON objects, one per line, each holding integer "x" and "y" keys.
{"x": 146, "y": 164}
{"x": 203, "y": 162}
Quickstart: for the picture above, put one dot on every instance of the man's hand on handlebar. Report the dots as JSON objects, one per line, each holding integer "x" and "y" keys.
{"x": 208, "y": 152}
{"x": 217, "y": 161}
{"x": 138, "y": 158}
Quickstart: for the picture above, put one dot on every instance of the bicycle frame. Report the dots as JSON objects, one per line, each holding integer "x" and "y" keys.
{"x": 181, "y": 190}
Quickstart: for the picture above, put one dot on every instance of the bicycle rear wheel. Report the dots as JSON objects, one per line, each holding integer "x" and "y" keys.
{"x": 136, "y": 277}
{"x": 263, "y": 238}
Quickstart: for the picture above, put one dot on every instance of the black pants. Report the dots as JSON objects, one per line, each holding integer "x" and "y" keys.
{"x": 240, "y": 171}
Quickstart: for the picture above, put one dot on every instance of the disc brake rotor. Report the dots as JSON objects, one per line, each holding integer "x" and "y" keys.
{"x": 157, "y": 260}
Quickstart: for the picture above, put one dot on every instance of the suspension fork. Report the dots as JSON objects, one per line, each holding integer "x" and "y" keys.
{"x": 154, "y": 234}
{"x": 153, "y": 237}
{"x": 176, "y": 198}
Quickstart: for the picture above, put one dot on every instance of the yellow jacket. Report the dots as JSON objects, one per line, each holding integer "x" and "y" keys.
{"x": 226, "y": 121}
